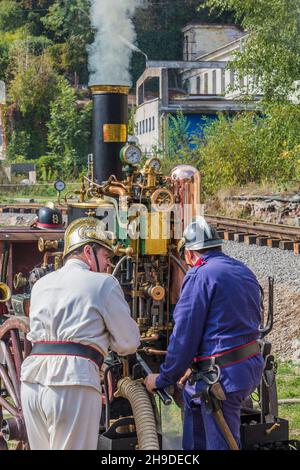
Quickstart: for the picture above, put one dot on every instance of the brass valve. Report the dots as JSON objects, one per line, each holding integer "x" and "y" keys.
{"x": 19, "y": 281}
{"x": 157, "y": 293}
{"x": 120, "y": 250}
{"x": 45, "y": 245}
{"x": 90, "y": 213}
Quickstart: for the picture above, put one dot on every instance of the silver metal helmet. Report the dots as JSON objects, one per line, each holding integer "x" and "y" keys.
{"x": 87, "y": 230}
{"x": 200, "y": 235}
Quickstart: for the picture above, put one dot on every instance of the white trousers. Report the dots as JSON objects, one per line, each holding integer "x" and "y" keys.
{"x": 61, "y": 418}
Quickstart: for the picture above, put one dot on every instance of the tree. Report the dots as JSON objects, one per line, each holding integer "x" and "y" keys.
{"x": 11, "y": 16}
{"x": 32, "y": 87}
{"x": 33, "y": 84}
{"x": 68, "y": 24}
{"x": 69, "y": 130}
{"x": 159, "y": 28}
{"x": 250, "y": 148}
{"x": 272, "y": 49}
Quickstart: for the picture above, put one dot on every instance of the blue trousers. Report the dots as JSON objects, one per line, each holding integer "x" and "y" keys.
{"x": 200, "y": 429}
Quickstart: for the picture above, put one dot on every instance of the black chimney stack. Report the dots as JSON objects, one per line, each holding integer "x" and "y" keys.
{"x": 110, "y": 128}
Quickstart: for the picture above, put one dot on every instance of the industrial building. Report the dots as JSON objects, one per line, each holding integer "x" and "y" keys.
{"x": 200, "y": 86}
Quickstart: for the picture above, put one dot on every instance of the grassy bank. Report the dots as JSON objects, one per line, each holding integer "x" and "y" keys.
{"x": 288, "y": 385}
{"x": 10, "y": 194}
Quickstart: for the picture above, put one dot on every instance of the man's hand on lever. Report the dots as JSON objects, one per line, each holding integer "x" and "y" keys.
{"x": 150, "y": 382}
{"x": 185, "y": 377}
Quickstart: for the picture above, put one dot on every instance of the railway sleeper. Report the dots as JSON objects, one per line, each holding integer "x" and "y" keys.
{"x": 286, "y": 245}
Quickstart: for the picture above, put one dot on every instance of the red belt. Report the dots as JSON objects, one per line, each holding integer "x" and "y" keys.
{"x": 67, "y": 348}
{"x": 228, "y": 357}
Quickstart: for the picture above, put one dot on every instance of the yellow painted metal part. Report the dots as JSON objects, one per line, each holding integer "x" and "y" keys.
{"x": 158, "y": 238}
{"x": 114, "y": 132}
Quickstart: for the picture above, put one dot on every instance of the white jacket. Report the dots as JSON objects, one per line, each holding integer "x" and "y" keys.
{"x": 75, "y": 304}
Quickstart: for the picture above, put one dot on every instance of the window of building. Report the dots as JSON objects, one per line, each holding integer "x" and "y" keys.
{"x": 232, "y": 77}
{"x": 150, "y": 128}
{"x": 153, "y": 123}
{"x": 186, "y": 48}
{"x": 143, "y": 127}
{"x": 206, "y": 83}
{"x": 222, "y": 81}
{"x": 214, "y": 82}
{"x": 146, "y": 130}
{"x": 198, "y": 85}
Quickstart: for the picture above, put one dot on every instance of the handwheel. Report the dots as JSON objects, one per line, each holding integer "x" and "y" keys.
{"x": 15, "y": 348}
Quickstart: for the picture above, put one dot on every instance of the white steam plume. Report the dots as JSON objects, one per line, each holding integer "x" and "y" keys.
{"x": 109, "y": 55}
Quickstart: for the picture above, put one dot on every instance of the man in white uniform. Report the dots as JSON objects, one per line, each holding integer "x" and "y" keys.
{"x": 77, "y": 315}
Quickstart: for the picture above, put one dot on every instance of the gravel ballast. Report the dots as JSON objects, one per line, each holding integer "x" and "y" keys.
{"x": 284, "y": 266}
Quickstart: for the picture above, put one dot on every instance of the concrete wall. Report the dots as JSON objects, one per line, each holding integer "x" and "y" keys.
{"x": 216, "y": 81}
{"x": 202, "y": 39}
{"x": 147, "y": 125}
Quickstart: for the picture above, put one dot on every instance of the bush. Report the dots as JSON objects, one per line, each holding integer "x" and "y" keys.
{"x": 234, "y": 151}
{"x": 69, "y": 130}
{"x": 48, "y": 168}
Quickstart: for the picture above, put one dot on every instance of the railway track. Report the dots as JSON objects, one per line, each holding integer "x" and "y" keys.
{"x": 285, "y": 237}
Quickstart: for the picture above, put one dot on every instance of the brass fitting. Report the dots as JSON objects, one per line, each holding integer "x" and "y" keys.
{"x": 19, "y": 281}
{"x": 46, "y": 245}
{"x": 157, "y": 293}
{"x": 121, "y": 250}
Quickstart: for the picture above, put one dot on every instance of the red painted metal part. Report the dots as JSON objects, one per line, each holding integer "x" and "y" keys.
{"x": 16, "y": 348}
{"x": 23, "y": 248}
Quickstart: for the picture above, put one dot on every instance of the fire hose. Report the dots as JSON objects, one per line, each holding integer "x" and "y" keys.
{"x": 142, "y": 410}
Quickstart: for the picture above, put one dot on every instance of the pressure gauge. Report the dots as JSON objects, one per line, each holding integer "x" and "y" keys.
{"x": 131, "y": 155}
{"x": 162, "y": 200}
{"x": 155, "y": 164}
{"x": 59, "y": 185}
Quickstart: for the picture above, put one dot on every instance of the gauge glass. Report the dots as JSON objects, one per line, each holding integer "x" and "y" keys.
{"x": 155, "y": 164}
{"x": 59, "y": 185}
{"x": 133, "y": 155}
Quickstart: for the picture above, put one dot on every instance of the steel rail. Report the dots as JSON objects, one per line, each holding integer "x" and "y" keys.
{"x": 282, "y": 232}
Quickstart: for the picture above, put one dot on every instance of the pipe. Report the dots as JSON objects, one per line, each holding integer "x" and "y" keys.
{"x": 110, "y": 123}
{"x": 179, "y": 264}
{"x": 156, "y": 352}
{"x": 118, "y": 265}
{"x": 143, "y": 413}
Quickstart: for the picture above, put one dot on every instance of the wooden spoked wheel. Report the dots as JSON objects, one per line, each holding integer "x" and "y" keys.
{"x": 15, "y": 348}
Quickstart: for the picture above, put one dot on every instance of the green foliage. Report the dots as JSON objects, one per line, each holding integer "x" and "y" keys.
{"x": 272, "y": 49}
{"x": 239, "y": 150}
{"x": 69, "y": 130}
{"x": 32, "y": 87}
{"x": 159, "y": 28}
{"x": 10, "y": 15}
{"x": 179, "y": 140}
{"x": 48, "y": 168}
{"x": 68, "y": 23}
{"x": 33, "y": 83}
{"x": 249, "y": 148}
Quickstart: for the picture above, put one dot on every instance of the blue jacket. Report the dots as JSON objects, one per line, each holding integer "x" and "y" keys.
{"x": 218, "y": 309}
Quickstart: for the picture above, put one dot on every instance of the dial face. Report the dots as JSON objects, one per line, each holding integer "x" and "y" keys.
{"x": 162, "y": 200}
{"x": 133, "y": 155}
{"x": 155, "y": 164}
{"x": 59, "y": 185}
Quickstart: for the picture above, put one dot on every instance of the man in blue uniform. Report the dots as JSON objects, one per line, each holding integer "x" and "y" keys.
{"x": 216, "y": 329}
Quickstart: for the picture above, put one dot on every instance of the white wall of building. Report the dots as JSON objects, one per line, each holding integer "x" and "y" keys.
{"x": 200, "y": 39}
{"x": 217, "y": 81}
{"x": 147, "y": 125}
